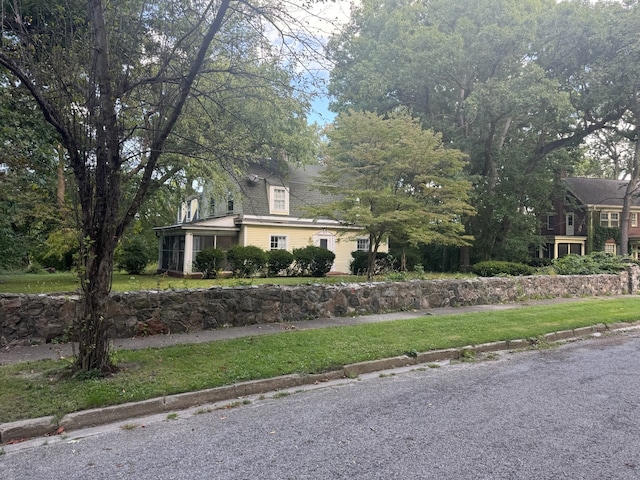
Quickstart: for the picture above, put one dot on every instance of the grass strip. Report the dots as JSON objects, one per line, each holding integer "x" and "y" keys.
{"x": 35, "y": 389}
{"x": 66, "y": 282}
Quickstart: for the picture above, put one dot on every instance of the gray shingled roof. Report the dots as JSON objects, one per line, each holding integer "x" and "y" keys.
{"x": 300, "y": 180}
{"x": 599, "y": 191}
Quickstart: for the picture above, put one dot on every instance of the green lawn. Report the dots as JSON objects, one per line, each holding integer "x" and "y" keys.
{"x": 40, "y": 388}
{"x": 122, "y": 282}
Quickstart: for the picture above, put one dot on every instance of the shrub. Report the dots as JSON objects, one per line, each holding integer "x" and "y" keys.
{"x": 360, "y": 263}
{"x": 314, "y": 261}
{"x": 279, "y": 260}
{"x": 540, "y": 262}
{"x": 495, "y": 268}
{"x": 208, "y": 261}
{"x": 246, "y": 261}
{"x": 594, "y": 263}
{"x": 134, "y": 257}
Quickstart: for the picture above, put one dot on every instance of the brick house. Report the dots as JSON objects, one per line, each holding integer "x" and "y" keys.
{"x": 587, "y": 218}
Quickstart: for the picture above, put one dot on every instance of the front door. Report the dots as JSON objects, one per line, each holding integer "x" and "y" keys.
{"x": 570, "y": 230}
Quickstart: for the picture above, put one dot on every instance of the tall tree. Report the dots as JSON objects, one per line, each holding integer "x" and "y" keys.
{"x": 394, "y": 177}
{"x": 501, "y": 84}
{"x": 114, "y": 80}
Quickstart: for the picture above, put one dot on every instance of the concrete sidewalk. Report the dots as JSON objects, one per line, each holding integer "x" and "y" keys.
{"x": 10, "y": 355}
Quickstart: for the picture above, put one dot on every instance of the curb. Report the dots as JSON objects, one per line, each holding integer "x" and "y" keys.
{"x": 47, "y": 426}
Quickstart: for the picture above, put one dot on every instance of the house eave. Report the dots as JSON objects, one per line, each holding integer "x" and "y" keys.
{"x": 277, "y": 221}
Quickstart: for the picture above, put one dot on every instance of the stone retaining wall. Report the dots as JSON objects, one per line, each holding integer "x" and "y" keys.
{"x": 28, "y": 319}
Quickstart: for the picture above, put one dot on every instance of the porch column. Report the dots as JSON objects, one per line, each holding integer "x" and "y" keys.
{"x": 160, "y": 236}
{"x": 188, "y": 253}
{"x": 555, "y": 249}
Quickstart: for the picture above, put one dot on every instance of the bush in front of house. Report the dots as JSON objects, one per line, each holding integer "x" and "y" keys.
{"x": 209, "y": 261}
{"x": 134, "y": 257}
{"x": 384, "y": 263}
{"x": 278, "y": 261}
{"x": 246, "y": 261}
{"x": 313, "y": 261}
{"x": 592, "y": 264}
{"x": 496, "y": 268}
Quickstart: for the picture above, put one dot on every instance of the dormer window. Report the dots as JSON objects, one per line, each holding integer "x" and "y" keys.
{"x": 278, "y": 200}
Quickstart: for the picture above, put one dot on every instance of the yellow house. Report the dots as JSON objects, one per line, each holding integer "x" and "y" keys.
{"x": 269, "y": 209}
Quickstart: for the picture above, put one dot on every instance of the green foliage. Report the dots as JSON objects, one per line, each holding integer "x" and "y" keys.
{"x": 28, "y": 167}
{"x": 313, "y": 261}
{"x": 602, "y": 234}
{"x": 60, "y": 248}
{"x": 394, "y": 177}
{"x": 494, "y": 268}
{"x": 360, "y": 263}
{"x": 134, "y": 257}
{"x": 279, "y": 260}
{"x": 246, "y": 261}
{"x": 457, "y": 66}
{"x": 209, "y": 261}
{"x": 594, "y": 263}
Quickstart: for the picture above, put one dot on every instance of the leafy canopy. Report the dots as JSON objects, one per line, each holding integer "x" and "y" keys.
{"x": 393, "y": 176}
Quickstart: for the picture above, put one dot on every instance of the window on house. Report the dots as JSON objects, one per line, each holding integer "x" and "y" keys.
{"x": 609, "y": 219}
{"x": 550, "y": 221}
{"x": 230, "y": 203}
{"x": 614, "y": 219}
{"x": 362, "y": 244}
{"x": 279, "y": 197}
{"x": 604, "y": 219}
{"x": 610, "y": 248}
{"x": 634, "y": 219}
{"x": 212, "y": 206}
{"x": 278, "y": 242}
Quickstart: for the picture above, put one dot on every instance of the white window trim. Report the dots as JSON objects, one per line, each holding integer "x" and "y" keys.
{"x": 617, "y": 220}
{"x": 634, "y": 219}
{"x": 607, "y": 215}
{"x": 272, "y": 194}
{"x": 285, "y": 238}
{"x": 363, "y": 239}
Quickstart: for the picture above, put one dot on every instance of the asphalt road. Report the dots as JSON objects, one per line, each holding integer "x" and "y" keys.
{"x": 562, "y": 413}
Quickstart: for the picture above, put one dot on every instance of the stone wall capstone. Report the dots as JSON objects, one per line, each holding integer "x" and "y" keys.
{"x": 32, "y": 319}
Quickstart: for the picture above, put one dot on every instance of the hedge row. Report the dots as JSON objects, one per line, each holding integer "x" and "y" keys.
{"x": 250, "y": 260}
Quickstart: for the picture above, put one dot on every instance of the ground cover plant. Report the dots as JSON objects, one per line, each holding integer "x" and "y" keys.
{"x": 42, "y": 388}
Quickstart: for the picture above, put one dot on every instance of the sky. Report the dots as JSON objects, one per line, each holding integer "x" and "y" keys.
{"x": 324, "y": 19}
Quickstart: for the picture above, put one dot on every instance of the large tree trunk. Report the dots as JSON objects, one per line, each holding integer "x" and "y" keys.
{"x": 92, "y": 326}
